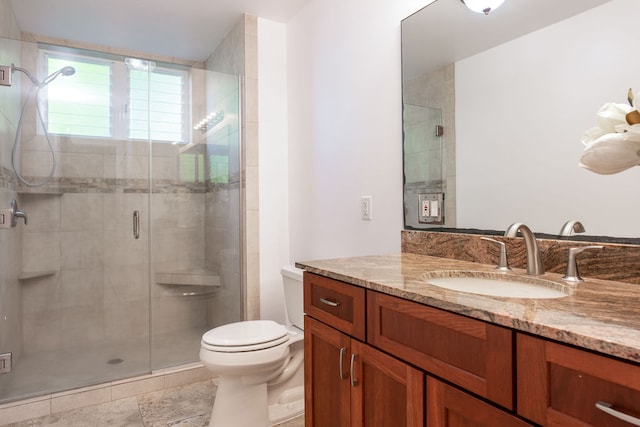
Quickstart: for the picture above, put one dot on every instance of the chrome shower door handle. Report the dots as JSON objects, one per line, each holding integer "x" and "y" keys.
{"x": 136, "y": 224}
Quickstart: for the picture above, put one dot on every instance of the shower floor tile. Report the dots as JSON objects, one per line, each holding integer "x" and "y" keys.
{"x": 187, "y": 406}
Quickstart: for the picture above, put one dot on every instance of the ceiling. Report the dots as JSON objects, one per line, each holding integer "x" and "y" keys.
{"x": 186, "y": 29}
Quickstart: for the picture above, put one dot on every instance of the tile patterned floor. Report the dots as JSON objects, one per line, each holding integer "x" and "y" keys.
{"x": 186, "y": 406}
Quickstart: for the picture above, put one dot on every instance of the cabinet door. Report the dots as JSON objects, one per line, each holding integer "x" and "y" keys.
{"x": 560, "y": 385}
{"x": 385, "y": 391}
{"x": 450, "y": 407}
{"x": 326, "y": 376}
{"x": 472, "y": 354}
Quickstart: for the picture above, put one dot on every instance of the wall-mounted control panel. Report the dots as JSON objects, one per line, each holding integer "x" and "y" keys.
{"x": 431, "y": 208}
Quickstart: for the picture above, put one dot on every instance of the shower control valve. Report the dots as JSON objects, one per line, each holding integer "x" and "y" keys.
{"x": 9, "y": 217}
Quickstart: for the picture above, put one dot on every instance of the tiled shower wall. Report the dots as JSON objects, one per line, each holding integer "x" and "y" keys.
{"x": 238, "y": 54}
{"x": 10, "y": 239}
{"x": 83, "y": 235}
{"x": 436, "y": 89}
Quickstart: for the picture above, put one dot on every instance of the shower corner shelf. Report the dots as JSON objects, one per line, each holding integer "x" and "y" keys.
{"x": 36, "y": 274}
{"x": 188, "y": 278}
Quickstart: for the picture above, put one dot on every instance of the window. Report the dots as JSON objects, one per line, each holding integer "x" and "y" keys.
{"x": 133, "y": 99}
{"x": 80, "y": 104}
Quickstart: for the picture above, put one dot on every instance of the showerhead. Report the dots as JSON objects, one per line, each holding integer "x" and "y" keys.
{"x": 65, "y": 71}
{"x": 68, "y": 71}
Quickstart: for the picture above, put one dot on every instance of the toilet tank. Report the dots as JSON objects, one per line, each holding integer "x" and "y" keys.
{"x": 292, "y": 282}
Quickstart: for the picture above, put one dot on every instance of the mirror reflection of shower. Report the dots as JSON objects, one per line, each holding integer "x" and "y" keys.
{"x": 35, "y": 88}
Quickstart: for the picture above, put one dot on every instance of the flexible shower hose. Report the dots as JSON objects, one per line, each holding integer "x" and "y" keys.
{"x": 16, "y": 141}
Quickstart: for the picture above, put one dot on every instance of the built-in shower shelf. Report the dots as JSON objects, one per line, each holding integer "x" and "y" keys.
{"x": 41, "y": 192}
{"x": 36, "y": 274}
{"x": 188, "y": 278}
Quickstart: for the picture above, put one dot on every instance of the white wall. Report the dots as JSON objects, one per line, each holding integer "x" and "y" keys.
{"x": 273, "y": 170}
{"x": 345, "y": 126}
{"x": 330, "y": 91}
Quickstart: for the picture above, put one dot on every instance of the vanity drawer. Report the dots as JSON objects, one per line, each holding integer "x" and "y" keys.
{"x": 559, "y": 385}
{"x": 472, "y": 354}
{"x": 335, "y": 303}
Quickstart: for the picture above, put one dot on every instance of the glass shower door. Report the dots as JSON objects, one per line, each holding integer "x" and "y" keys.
{"x": 196, "y": 223}
{"x": 81, "y": 282}
{"x": 132, "y": 248}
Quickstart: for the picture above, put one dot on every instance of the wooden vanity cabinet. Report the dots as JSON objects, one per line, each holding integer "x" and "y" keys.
{"x": 559, "y": 385}
{"x": 347, "y": 382}
{"x": 387, "y": 380}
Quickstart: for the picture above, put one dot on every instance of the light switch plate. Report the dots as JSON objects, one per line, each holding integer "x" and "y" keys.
{"x": 366, "y": 208}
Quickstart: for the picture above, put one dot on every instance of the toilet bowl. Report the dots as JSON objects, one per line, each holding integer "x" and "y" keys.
{"x": 259, "y": 364}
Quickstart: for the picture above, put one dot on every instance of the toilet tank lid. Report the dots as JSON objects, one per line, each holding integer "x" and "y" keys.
{"x": 292, "y": 272}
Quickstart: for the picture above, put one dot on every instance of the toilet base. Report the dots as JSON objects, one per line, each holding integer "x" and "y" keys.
{"x": 267, "y": 407}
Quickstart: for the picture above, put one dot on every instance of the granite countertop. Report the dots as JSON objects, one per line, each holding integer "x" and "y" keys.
{"x": 599, "y": 315}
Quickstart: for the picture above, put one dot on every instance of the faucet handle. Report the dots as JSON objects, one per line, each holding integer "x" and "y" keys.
{"x": 503, "y": 264}
{"x": 572, "y": 275}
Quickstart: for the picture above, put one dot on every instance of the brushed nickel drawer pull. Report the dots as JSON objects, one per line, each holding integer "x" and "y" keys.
{"x": 343, "y": 352}
{"x": 354, "y": 380}
{"x": 608, "y": 408}
{"x": 329, "y": 302}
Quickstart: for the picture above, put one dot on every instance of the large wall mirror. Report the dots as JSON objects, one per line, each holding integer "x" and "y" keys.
{"x": 494, "y": 108}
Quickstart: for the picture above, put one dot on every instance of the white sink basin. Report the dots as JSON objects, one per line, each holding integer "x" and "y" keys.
{"x": 497, "y": 285}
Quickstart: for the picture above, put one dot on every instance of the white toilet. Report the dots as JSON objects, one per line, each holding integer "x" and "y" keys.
{"x": 259, "y": 364}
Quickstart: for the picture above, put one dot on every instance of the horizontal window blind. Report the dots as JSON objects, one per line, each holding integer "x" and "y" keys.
{"x": 157, "y": 105}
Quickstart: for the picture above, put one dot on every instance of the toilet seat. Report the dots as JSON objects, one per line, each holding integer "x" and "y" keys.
{"x": 245, "y": 336}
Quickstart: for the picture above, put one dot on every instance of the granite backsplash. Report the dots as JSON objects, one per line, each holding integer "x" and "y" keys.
{"x": 618, "y": 262}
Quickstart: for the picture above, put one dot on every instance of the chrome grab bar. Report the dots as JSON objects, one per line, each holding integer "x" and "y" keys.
{"x": 136, "y": 224}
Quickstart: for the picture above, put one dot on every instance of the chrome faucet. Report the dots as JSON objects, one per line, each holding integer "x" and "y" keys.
{"x": 571, "y": 227}
{"x": 534, "y": 260}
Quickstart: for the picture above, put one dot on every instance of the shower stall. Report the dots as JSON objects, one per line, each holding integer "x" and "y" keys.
{"x": 126, "y": 177}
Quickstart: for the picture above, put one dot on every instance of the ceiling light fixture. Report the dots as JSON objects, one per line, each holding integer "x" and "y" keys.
{"x": 482, "y": 6}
